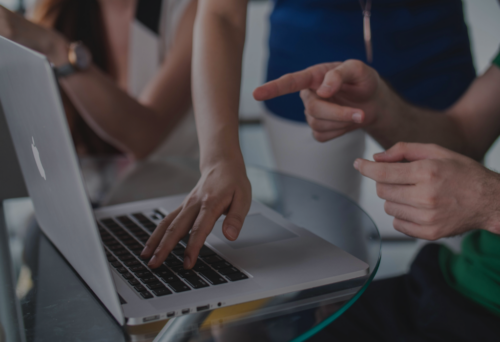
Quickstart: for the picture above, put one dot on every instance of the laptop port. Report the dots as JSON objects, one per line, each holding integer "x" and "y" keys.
{"x": 203, "y": 307}
{"x": 185, "y": 311}
{"x": 151, "y": 318}
{"x": 171, "y": 314}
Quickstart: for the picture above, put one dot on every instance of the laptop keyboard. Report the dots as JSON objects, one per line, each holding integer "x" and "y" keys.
{"x": 124, "y": 239}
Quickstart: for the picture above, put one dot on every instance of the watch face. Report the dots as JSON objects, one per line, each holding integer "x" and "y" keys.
{"x": 79, "y": 56}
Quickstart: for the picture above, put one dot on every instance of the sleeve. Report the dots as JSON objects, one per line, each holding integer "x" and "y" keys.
{"x": 496, "y": 60}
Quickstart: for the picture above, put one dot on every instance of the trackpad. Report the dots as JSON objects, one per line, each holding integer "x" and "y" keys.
{"x": 257, "y": 230}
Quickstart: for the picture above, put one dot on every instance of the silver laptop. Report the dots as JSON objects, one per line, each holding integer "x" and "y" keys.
{"x": 103, "y": 245}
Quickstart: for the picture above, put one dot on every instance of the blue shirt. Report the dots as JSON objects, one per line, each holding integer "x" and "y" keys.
{"x": 421, "y": 47}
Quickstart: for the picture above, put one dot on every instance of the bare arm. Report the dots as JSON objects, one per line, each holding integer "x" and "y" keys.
{"x": 136, "y": 126}
{"x": 224, "y": 187}
{"x": 217, "y": 57}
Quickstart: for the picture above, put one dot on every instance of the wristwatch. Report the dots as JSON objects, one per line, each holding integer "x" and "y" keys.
{"x": 79, "y": 58}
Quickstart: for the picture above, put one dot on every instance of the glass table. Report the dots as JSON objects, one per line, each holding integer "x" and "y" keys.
{"x": 45, "y": 300}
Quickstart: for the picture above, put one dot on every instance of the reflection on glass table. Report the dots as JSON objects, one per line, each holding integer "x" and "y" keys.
{"x": 57, "y": 305}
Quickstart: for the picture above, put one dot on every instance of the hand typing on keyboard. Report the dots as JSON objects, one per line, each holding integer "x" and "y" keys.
{"x": 123, "y": 238}
{"x": 223, "y": 188}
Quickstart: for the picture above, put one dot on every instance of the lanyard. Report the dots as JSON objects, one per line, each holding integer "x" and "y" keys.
{"x": 367, "y": 32}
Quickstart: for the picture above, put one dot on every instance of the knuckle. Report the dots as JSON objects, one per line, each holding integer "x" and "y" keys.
{"x": 430, "y": 201}
{"x": 191, "y": 201}
{"x": 398, "y": 225}
{"x": 432, "y": 235}
{"x": 320, "y": 137}
{"x": 429, "y": 218}
{"x": 381, "y": 190}
{"x": 208, "y": 201}
{"x": 355, "y": 65}
{"x": 400, "y": 145}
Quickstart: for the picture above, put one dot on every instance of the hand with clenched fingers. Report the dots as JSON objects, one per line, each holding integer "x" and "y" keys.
{"x": 437, "y": 193}
{"x": 338, "y": 97}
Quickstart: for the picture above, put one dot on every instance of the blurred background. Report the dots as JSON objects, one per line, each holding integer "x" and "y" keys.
{"x": 484, "y": 27}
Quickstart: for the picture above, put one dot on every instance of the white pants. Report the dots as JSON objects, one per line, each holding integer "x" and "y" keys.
{"x": 330, "y": 164}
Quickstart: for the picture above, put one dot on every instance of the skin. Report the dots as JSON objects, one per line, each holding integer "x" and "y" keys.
{"x": 431, "y": 191}
{"x": 134, "y": 125}
{"x": 224, "y": 188}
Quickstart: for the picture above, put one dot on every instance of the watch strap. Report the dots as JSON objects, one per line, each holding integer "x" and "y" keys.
{"x": 64, "y": 70}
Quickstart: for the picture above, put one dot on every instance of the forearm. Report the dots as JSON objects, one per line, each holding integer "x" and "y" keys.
{"x": 398, "y": 121}
{"x": 117, "y": 117}
{"x": 217, "y": 60}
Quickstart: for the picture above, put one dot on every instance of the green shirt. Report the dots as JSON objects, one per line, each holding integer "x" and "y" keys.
{"x": 475, "y": 272}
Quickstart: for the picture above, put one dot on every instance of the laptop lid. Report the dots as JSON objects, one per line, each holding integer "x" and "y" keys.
{"x": 11, "y": 178}
{"x": 36, "y": 120}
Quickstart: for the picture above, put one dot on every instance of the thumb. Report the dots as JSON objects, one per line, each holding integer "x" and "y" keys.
{"x": 410, "y": 152}
{"x": 235, "y": 217}
{"x": 350, "y": 72}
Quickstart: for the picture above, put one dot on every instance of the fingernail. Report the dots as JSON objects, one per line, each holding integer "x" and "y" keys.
{"x": 232, "y": 232}
{"x": 187, "y": 261}
{"x": 325, "y": 88}
{"x": 357, "y": 117}
{"x": 152, "y": 261}
{"x": 356, "y": 164}
{"x": 145, "y": 252}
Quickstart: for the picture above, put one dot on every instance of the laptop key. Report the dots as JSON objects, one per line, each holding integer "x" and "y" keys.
{"x": 145, "y": 274}
{"x": 149, "y": 280}
{"x": 173, "y": 263}
{"x": 121, "y": 270}
{"x": 160, "y": 268}
{"x": 132, "y": 263}
{"x": 127, "y": 275}
{"x": 205, "y": 252}
{"x": 186, "y": 273}
{"x": 162, "y": 292}
{"x": 179, "y": 286}
{"x": 134, "y": 282}
{"x": 212, "y": 259}
{"x": 236, "y": 276}
{"x": 170, "y": 278}
{"x": 146, "y": 294}
{"x": 126, "y": 257}
{"x": 156, "y": 285}
{"x": 138, "y": 268}
{"x": 137, "y": 251}
{"x": 116, "y": 264}
{"x": 221, "y": 264}
{"x": 200, "y": 266}
{"x": 213, "y": 278}
{"x": 196, "y": 282}
{"x": 140, "y": 288}
{"x": 163, "y": 274}
{"x": 229, "y": 270}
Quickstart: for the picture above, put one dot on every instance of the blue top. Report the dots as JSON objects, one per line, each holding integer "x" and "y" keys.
{"x": 421, "y": 47}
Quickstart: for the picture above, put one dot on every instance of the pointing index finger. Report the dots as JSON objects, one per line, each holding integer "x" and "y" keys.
{"x": 310, "y": 78}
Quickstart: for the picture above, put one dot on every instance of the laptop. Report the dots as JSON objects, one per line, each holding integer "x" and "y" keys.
{"x": 271, "y": 256}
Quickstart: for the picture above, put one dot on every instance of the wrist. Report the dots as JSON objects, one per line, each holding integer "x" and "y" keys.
{"x": 222, "y": 156}
{"x": 56, "y": 49}
{"x": 492, "y": 198}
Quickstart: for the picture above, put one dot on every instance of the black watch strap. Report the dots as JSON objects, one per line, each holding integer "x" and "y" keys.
{"x": 64, "y": 70}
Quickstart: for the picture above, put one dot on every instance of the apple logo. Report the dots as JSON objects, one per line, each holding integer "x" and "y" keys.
{"x": 37, "y": 159}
